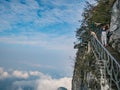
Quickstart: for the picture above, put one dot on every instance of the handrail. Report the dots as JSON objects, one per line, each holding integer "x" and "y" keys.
{"x": 108, "y": 52}
{"x": 112, "y": 66}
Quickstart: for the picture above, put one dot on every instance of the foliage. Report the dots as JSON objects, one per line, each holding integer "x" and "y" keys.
{"x": 93, "y": 16}
{"x": 102, "y": 12}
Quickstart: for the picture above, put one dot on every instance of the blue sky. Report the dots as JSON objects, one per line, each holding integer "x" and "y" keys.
{"x": 36, "y": 40}
{"x": 39, "y": 35}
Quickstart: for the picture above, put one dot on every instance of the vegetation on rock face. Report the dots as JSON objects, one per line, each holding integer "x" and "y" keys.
{"x": 102, "y": 12}
{"x": 94, "y": 16}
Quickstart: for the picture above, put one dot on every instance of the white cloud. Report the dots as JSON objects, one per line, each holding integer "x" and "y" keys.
{"x": 44, "y": 82}
{"x": 14, "y": 12}
{"x": 3, "y": 73}
{"x": 68, "y": 12}
{"x": 20, "y": 74}
{"x": 35, "y": 73}
{"x": 42, "y": 40}
{"x": 49, "y": 83}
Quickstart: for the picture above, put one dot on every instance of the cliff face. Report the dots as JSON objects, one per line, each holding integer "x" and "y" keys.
{"x": 86, "y": 76}
{"x": 115, "y": 26}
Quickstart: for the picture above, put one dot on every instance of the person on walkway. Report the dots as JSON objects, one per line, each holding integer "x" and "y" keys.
{"x": 104, "y": 36}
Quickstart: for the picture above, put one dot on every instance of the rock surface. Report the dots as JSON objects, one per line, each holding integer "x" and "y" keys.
{"x": 115, "y": 26}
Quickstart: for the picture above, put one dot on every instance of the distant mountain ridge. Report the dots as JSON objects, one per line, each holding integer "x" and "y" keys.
{"x": 61, "y": 88}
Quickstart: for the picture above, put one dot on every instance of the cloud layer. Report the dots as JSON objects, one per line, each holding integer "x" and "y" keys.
{"x": 20, "y": 74}
{"x": 42, "y": 40}
{"x": 44, "y": 82}
{"x": 3, "y": 74}
{"x": 53, "y": 84}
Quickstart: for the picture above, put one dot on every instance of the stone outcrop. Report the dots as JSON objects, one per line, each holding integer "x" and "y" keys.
{"x": 115, "y": 26}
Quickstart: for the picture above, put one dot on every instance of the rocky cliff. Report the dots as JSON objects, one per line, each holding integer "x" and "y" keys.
{"x": 85, "y": 75}
{"x": 115, "y": 26}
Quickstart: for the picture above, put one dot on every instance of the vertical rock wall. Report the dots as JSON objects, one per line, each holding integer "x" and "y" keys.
{"x": 115, "y": 26}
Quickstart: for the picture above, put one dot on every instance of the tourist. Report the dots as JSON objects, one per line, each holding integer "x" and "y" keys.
{"x": 104, "y": 36}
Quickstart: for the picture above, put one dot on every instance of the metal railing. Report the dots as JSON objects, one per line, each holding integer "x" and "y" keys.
{"x": 112, "y": 66}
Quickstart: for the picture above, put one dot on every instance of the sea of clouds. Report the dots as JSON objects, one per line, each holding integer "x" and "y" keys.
{"x": 43, "y": 82}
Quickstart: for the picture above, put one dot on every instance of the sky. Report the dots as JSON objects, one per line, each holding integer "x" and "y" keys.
{"x": 38, "y": 36}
